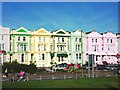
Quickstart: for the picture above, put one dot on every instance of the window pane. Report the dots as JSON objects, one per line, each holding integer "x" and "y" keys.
{"x": 107, "y": 40}
{"x": 39, "y": 39}
{"x": 62, "y": 39}
{"x": 79, "y": 55}
{"x": 59, "y": 59}
{"x": 58, "y": 39}
{"x": 22, "y": 58}
{"x": 76, "y": 47}
{"x": 76, "y": 56}
{"x": 44, "y": 39}
{"x": 2, "y": 37}
{"x": 3, "y": 46}
{"x": 24, "y": 38}
{"x": 111, "y": 40}
{"x": 92, "y": 40}
{"x": 18, "y": 38}
{"x": 0, "y": 47}
{"x": 43, "y": 57}
{"x": 75, "y": 39}
{"x": 79, "y": 39}
{"x": 96, "y": 40}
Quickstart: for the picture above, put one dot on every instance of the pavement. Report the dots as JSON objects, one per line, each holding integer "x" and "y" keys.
{"x": 58, "y": 75}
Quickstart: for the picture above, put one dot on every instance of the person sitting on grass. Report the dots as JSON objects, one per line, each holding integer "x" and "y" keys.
{"x": 22, "y": 74}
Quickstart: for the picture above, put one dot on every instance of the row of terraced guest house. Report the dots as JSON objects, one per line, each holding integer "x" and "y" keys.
{"x": 42, "y": 47}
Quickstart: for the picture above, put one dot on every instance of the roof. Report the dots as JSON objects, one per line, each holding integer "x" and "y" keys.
{"x": 117, "y": 33}
{"x": 90, "y": 31}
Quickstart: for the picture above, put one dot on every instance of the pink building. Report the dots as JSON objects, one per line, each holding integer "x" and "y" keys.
{"x": 103, "y": 46}
{"x": 4, "y": 44}
{"x": 118, "y": 46}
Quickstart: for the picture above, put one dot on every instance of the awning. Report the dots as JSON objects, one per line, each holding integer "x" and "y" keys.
{"x": 105, "y": 63}
{"x": 117, "y": 55}
{"x": 62, "y": 55}
{"x": 52, "y": 54}
{"x": 3, "y": 51}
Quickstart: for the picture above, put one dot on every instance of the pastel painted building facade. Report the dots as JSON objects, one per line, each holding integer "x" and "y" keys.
{"x": 4, "y": 44}
{"x": 118, "y": 46}
{"x": 78, "y": 47}
{"x": 103, "y": 46}
{"x": 110, "y": 47}
{"x": 20, "y": 43}
{"x": 60, "y": 46}
{"x": 40, "y": 48}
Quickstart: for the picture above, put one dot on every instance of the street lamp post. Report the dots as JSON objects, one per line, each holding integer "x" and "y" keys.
{"x": 88, "y": 67}
{"x": 92, "y": 65}
{"x": 82, "y": 54}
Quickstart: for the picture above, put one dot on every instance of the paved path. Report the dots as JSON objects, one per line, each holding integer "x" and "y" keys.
{"x": 59, "y": 75}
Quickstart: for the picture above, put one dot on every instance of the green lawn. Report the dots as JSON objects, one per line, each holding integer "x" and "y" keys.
{"x": 69, "y": 83}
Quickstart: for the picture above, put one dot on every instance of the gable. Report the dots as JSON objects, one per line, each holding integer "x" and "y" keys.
{"x": 21, "y": 30}
{"x": 78, "y": 32}
{"x": 60, "y": 32}
{"x": 94, "y": 34}
{"x": 109, "y": 34}
{"x": 41, "y": 31}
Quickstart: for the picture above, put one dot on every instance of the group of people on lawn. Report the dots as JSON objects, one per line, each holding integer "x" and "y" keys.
{"x": 20, "y": 75}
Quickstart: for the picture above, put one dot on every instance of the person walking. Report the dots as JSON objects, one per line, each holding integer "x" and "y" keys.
{"x": 6, "y": 72}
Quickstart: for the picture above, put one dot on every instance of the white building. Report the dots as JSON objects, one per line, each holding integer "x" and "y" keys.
{"x": 78, "y": 47}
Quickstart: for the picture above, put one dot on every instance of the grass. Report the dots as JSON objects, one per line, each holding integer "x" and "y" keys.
{"x": 68, "y": 83}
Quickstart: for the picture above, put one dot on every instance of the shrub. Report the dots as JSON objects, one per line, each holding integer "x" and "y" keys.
{"x": 15, "y": 67}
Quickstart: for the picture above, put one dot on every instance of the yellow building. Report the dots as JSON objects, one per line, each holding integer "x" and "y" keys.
{"x": 40, "y": 48}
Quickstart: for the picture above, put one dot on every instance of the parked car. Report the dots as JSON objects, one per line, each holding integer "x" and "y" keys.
{"x": 101, "y": 67}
